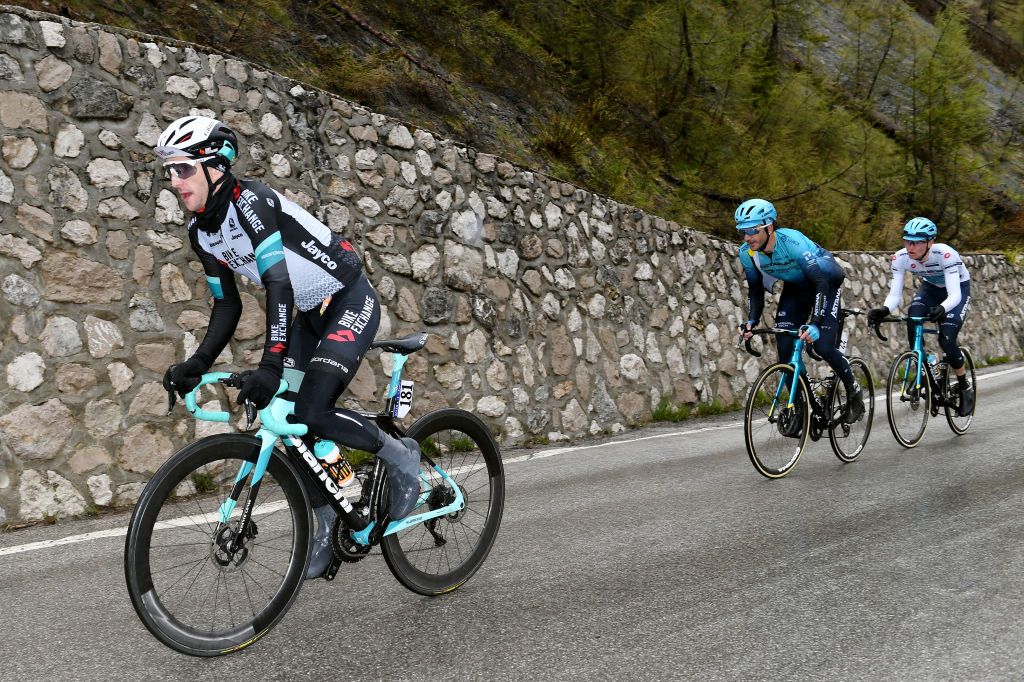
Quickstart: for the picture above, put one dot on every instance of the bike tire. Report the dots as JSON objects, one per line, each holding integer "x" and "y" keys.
{"x": 175, "y": 525}
{"x": 772, "y": 452}
{"x": 462, "y": 446}
{"x": 959, "y": 424}
{"x": 907, "y": 413}
{"x": 849, "y": 440}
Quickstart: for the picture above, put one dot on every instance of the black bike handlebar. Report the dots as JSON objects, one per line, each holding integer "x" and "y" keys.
{"x": 776, "y": 330}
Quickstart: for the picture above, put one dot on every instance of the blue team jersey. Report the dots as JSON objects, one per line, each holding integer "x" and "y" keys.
{"x": 796, "y": 259}
{"x": 793, "y": 260}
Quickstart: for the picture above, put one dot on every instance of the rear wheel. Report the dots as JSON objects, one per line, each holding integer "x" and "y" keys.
{"x": 848, "y": 440}
{"x": 958, "y": 423}
{"x": 908, "y": 399}
{"x": 441, "y": 554}
{"x": 775, "y": 425}
{"x": 202, "y": 586}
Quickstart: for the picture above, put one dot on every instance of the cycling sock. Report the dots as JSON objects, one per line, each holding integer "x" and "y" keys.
{"x": 962, "y": 381}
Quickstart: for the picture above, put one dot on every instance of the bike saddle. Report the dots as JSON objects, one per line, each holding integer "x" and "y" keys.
{"x": 405, "y": 345}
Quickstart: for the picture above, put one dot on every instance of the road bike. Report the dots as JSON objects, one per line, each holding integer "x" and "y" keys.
{"x": 912, "y": 394}
{"x": 219, "y": 541}
{"x": 776, "y": 421}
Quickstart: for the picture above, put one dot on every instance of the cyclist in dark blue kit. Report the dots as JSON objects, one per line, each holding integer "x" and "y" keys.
{"x": 810, "y": 297}
{"x": 245, "y": 227}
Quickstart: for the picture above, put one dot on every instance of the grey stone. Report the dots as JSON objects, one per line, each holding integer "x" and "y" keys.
{"x": 17, "y": 248}
{"x": 92, "y": 98}
{"x": 69, "y": 141}
{"x": 100, "y": 488}
{"x": 26, "y": 372}
{"x": 75, "y": 379}
{"x": 37, "y": 221}
{"x": 37, "y": 431}
{"x": 10, "y": 70}
{"x": 19, "y": 152}
{"x": 144, "y": 316}
{"x": 78, "y": 280}
{"x": 172, "y": 285}
{"x": 463, "y": 266}
{"x": 143, "y": 449}
{"x": 117, "y": 208}
{"x": 438, "y": 305}
{"x": 20, "y": 291}
{"x": 105, "y": 173}
{"x": 6, "y": 188}
{"x": 48, "y": 495}
{"x": 79, "y": 232}
{"x": 51, "y": 73}
{"x": 103, "y": 418}
{"x": 103, "y": 336}
{"x": 120, "y": 377}
{"x": 66, "y": 190}
{"x": 14, "y": 30}
{"x": 22, "y": 110}
{"x": 60, "y": 337}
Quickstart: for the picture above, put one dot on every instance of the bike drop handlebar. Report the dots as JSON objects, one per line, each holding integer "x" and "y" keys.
{"x": 273, "y": 417}
{"x": 776, "y": 330}
{"x": 876, "y": 325}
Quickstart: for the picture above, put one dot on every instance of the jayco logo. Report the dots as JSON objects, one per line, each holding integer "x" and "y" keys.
{"x": 313, "y": 249}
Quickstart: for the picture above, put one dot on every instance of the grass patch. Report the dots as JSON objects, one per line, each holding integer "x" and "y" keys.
{"x": 667, "y": 412}
{"x": 462, "y": 444}
{"x": 204, "y": 483}
{"x": 358, "y": 458}
{"x": 997, "y": 360}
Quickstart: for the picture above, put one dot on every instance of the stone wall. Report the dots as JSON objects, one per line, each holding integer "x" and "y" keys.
{"x": 554, "y": 313}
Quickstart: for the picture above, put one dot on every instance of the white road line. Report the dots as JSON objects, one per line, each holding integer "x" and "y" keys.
{"x": 543, "y": 454}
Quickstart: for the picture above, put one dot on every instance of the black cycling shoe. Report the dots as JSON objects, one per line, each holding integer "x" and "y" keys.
{"x": 854, "y": 407}
{"x": 403, "y": 460}
{"x": 966, "y": 407}
{"x": 791, "y": 422}
{"x": 321, "y": 550}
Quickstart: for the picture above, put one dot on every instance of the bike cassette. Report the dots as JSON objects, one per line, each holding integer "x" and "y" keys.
{"x": 345, "y": 548}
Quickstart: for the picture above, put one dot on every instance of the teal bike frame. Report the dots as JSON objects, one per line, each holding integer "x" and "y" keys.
{"x": 918, "y": 349}
{"x": 275, "y": 426}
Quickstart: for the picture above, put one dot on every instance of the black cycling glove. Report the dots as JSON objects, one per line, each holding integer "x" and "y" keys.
{"x": 936, "y": 313}
{"x": 876, "y": 314}
{"x": 259, "y": 386}
{"x": 184, "y": 376}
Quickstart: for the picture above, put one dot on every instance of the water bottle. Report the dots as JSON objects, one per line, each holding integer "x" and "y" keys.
{"x": 843, "y": 339}
{"x": 333, "y": 460}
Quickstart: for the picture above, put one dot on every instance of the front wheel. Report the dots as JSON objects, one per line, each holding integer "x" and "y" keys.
{"x": 775, "y": 424}
{"x": 439, "y": 555}
{"x": 908, "y": 399}
{"x": 959, "y": 423}
{"x": 848, "y": 440}
{"x": 202, "y": 585}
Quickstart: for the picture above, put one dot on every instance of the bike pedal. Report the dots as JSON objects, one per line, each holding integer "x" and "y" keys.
{"x": 332, "y": 569}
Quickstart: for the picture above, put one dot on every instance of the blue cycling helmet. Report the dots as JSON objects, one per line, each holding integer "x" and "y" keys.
{"x": 919, "y": 230}
{"x": 754, "y": 213}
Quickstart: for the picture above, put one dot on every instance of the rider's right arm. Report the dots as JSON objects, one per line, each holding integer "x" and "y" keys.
{"x": 895, "y": 297}
{"x": 755, "y": 286}
{"x": 227, "y": 304}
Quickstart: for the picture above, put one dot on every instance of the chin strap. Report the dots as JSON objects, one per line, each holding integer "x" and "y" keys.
{"x": 210, "y": 216}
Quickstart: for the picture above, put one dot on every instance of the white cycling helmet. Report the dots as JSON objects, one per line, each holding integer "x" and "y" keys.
{"x": 198, "y": 137}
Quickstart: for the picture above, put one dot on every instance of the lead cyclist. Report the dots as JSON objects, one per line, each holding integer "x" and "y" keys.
{"x": 943, "y": 297}
{"x": 244, "y": 227}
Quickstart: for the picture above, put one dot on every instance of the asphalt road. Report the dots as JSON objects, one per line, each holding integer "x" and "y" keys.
{"x": 661, "y": 555}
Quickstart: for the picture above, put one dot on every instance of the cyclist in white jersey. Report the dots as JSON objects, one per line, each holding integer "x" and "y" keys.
{"x": 244, "y": 227}
{"x": 944, "y": 295}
